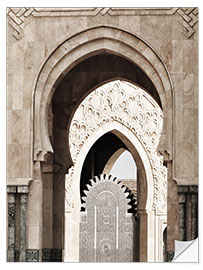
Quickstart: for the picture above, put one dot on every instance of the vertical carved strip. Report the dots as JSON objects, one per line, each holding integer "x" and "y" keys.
{"x": 194, "y": 216}
{"x": 23, "y": 215}
{"x": 182, "y": 217}
{"x": 11, "y": 223}
{"x": 68, "y": 190}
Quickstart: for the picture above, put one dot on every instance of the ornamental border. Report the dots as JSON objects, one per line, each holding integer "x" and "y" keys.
{"x": 17, "y": 17}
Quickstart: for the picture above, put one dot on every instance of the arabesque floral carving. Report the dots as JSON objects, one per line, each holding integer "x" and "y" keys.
{"x": 132, "y": 107}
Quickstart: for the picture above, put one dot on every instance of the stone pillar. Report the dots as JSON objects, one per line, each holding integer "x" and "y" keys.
{"x": 11, "y": 190}
{"x": 23, "y": 191}
{"x": 35, "y": 216}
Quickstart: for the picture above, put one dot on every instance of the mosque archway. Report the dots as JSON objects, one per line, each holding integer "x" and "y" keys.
{"x": 141, "y": 145}
{"x": 57, "y": 84}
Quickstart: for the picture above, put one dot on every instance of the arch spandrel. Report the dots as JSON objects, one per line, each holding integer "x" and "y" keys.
{"x": 82, "y": 46}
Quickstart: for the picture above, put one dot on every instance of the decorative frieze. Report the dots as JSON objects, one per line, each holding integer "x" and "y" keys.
{"x": 17, "y": 16}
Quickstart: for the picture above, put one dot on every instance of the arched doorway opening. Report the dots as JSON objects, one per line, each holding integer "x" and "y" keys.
{"x": 105, "y": 210}
{"x": 112, "y": 112}
{"x": 108, "y": 155}
{"x": 53, "y": 112}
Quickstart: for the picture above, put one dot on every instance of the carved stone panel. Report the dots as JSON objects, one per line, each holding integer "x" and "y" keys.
{"x": 106, "y": 228}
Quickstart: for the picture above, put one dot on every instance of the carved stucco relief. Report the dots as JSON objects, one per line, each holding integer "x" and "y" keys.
{"x": 135, "y": 109}
{"x": 68, "y": 190}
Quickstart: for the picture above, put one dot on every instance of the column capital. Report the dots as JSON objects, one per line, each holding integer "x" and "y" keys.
{"x": 193, "y": 189}
{"x": 11, "y": 189}
{"x": 182, "y": 189}
{"x": 22, "y": 189}
{"x": 187, "y": 188}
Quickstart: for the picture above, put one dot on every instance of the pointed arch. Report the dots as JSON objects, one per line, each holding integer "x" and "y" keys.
{"x": 80, "y": 47}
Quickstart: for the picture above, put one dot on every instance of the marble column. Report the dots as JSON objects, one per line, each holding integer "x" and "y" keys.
{"x": 11, "y": 190}
{"x": 23, "y": 191}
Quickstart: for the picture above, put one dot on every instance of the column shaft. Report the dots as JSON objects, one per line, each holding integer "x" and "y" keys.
{"x": 23, "y": 216}
{"x": 182, "y": 217}
{"x": 11, "y": 227}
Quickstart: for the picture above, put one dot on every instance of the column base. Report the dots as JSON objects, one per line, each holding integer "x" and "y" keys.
{"x": 169, "y": 255}
{"x": 52, "y": 255}
{"x": 33, "y": 255}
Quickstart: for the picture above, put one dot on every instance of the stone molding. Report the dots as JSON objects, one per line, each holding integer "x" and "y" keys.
{"x": 17, "y": 16}
{"x": 132, "y": 107}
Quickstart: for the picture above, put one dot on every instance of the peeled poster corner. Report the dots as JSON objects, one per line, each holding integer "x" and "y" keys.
{"x": 186, "y": 251}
